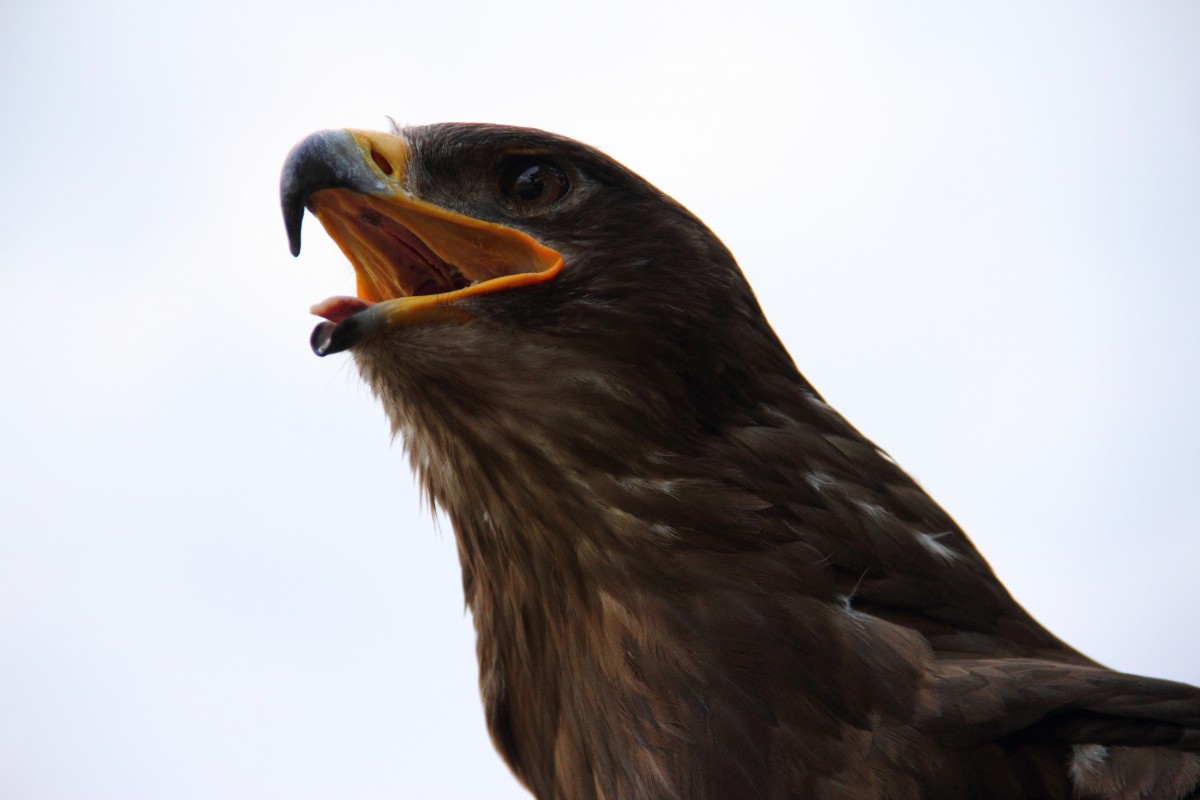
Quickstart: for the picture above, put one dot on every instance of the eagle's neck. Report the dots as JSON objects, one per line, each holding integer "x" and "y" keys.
{"x": 622, "y": 599}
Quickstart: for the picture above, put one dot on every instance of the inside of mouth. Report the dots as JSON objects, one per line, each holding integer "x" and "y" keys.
{"x": 389, "y": 259}
{"x": 413, "y": 269}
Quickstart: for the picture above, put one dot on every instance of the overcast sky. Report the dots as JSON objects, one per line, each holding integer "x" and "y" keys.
{"x": 976, "y": 227}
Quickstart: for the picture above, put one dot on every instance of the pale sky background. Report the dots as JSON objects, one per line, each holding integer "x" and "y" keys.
{"x": 975, "y": 225}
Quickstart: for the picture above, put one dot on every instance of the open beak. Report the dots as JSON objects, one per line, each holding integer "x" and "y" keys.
{"x": 412, "y": 259}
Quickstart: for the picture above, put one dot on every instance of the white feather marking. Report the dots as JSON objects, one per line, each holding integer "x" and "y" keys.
{"x": 872, "y": 509}
{"x": 776, "y": 414}
{"x": 938, "y": 550}
{"x": 1087, "y": 761}
{"x": 847, "y": 600}
{"x": 818, "y": 402}
{"x": 820, "y": 480}
{"x": 666, "y": 486}
{"x": 664, "y": 531}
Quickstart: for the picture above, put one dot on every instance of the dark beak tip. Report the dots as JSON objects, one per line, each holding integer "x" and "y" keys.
{"x": 322, "y": 160}
{"x": 293, "y": 216}
{"x": 335, "y": 337}
{"x": 292, "y": 219}
{"x": 321, "y": 338}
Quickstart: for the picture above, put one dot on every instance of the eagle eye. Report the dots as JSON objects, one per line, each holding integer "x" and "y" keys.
{"x": 531, "y": 184}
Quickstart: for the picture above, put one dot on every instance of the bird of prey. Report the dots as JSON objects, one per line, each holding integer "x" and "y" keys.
{"x": 689, "y": 576}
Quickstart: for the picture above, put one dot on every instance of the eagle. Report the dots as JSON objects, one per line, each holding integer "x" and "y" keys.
{"x": 689, "y": 576}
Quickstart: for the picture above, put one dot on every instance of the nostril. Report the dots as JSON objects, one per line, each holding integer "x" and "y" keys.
{"x": 381, "y": 162}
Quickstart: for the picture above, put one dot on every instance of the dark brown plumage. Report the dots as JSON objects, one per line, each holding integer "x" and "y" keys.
{"x": 690, "y": 577}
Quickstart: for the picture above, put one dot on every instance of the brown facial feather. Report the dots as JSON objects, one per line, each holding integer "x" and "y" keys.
{"x": 689, "y": 576}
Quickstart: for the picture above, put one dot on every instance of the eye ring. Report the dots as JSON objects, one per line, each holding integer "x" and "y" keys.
{"x": 533, "y": 183}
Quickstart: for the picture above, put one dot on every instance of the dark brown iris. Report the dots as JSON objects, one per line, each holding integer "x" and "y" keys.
{"x": 531, "y": 184}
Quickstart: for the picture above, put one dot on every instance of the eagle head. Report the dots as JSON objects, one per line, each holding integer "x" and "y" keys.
{"x": 520, "y": 292}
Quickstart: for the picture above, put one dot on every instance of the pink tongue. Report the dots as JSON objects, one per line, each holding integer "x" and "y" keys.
{"x": 337, "y": 309}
